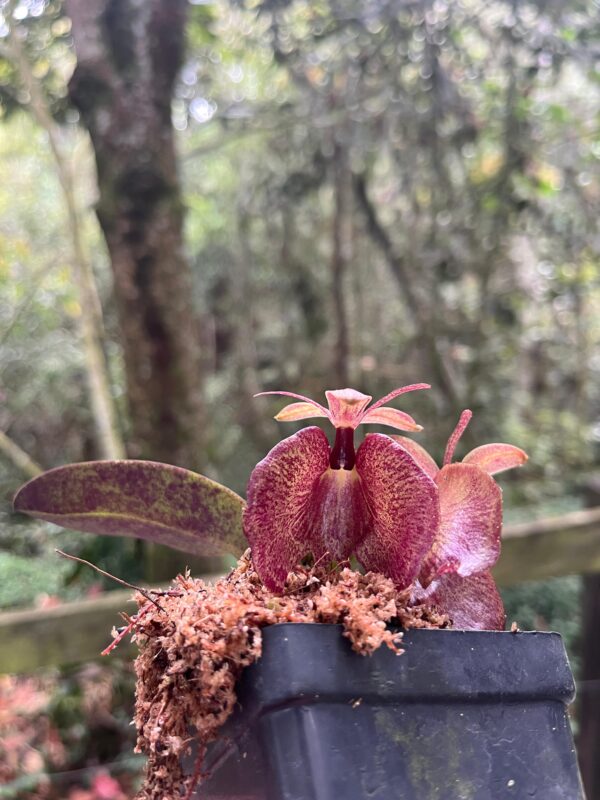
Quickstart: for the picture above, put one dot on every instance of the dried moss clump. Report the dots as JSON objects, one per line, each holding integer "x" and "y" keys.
{"x": 195, "y": 645}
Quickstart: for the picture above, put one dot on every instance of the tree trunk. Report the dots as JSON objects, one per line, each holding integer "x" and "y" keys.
{"x": 250, "y": 415}
{"x": 415, "y": 308}
{"x": 340, "y": 258}
{"x": 128, "y": 55}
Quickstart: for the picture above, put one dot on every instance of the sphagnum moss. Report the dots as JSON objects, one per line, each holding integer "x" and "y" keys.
{"x": 194, "y": 650}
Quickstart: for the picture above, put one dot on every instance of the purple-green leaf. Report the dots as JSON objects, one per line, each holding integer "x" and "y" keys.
{"x": 144, "y": 499}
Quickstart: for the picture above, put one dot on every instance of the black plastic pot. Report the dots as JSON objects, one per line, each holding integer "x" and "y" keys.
{"x": 461, "y": 715}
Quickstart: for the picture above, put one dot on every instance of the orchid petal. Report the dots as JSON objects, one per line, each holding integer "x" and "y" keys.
{"x": 464, "y": 420}
{"x": 392, "y": 417}
{"x": 346, "y": 407}
{"x": 397, "y": 392}
{"x": 296, "y": 411}
{"x": 144, "y": 499}
{"x": 420, "y": 455}
{"x": 468, "y": 537}
{"x": 402, "y": 500}
{"x": 496, "y": 457}
{"x": 298, "y": 397}
{"x": 472, "y": 603}
{"x": 279, "y": 503}
{"x": 339, "y": 517}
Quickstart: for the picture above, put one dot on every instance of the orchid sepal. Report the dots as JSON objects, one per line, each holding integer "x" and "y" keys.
{"x": 348, "y": 408}
{"x": 298, "y": 411}
{"x": 391, "y": 417}
{"x": 403, "y": 501}
{"x": 467, "y": 540}
{"x": 472, "y": 603}
{"x": 496, "y": 457}
{"x": 420, "y": 455}
{"x": 277, "y": 512}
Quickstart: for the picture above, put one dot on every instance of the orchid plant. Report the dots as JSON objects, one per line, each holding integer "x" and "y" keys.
{"x": 434, "y": 531}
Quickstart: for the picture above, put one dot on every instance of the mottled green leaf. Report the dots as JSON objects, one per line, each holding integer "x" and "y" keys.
{"x": 152, "y": 501}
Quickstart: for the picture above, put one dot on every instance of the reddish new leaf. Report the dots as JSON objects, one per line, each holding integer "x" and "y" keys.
{"x": 497, "y": 457}
{"x": 152, "y": 501}
{"x": 277, "y": 517}
{"x": 403, "y": 503}
{"x": 472, "y": 603}
{"x": 468, "y": 537}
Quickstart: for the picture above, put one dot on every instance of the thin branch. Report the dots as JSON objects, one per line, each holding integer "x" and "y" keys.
{"x": 18, "y": 456}
{"x": 143, "y": 592}
{"x": 414, "y": 306}
{"x": 34, "y": 284}
{"x": 90, "y": 319}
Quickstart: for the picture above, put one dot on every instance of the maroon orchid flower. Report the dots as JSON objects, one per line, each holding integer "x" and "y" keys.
{"x": 306, "y": 496}
{"x": 455, "y": 573}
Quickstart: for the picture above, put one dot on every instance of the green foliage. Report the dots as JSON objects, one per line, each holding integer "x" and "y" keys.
{"x": 25, "y": 580}
{"x": 46, "y": 33}
{"x": 548, "y": 606}
{"x": 40, "y": 356}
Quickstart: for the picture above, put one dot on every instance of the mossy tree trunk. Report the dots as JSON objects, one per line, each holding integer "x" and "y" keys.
{"x": 128, "y": 55}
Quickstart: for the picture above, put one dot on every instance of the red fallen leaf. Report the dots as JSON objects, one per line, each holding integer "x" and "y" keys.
{"x": 44, "y": 601}
{"x": 473, "y": 603}
{"x": 80, "y": 794}
{"x": 144, "y": 499}
{"x": 105, "y": 787}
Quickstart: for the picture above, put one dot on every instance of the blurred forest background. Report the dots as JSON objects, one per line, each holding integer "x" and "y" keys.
{"x": 199, "y": 201}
